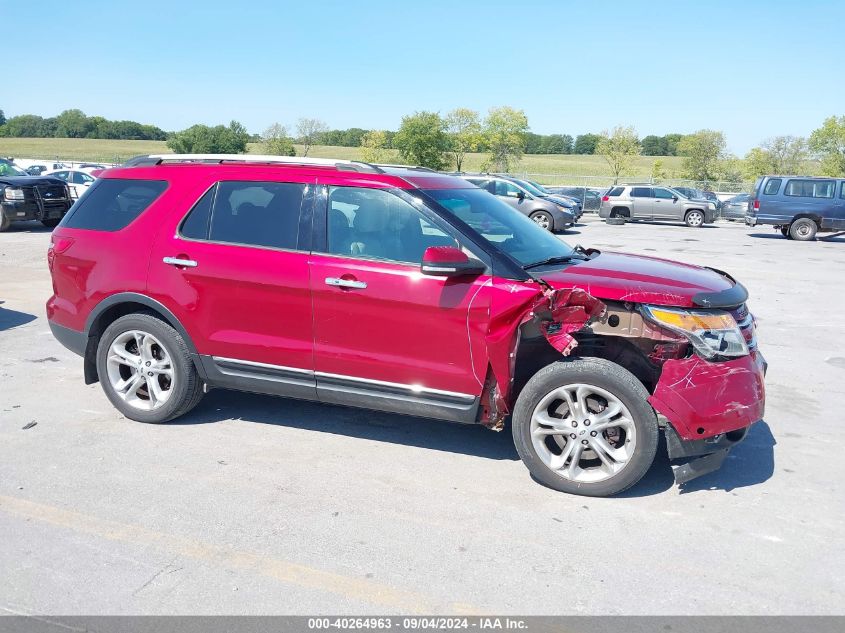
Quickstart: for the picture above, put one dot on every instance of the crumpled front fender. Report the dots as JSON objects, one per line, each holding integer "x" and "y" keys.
{"x": 702, "y": 398}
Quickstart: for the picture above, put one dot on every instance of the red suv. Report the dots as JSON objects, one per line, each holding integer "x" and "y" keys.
{"x": 401, "y": 290}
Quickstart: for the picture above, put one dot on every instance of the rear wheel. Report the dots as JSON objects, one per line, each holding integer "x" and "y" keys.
{"x": 694, "y": 218}
{"x": 803, "y": 230}
{"x": 146, "y": 370}
{"x": 543, "y": 220}
{"x": 585, "y": 427}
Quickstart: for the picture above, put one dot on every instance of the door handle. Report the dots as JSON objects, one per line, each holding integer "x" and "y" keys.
{"x": 345, "y": 283}
{"x": 176, "y": 261}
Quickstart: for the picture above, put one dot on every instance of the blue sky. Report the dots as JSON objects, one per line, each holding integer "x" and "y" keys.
{"x": 752, "y": 69}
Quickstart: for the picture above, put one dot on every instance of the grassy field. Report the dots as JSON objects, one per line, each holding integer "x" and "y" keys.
{"x": 113, "y": 151}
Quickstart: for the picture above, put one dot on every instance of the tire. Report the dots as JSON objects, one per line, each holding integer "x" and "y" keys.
{"x": 179, "y": 389}
{"x": 784, "y": 230}
{"x": 543, "y": 220}
{"x": 5, "y": 222}
{"x": 52, "y": 223}
{"x": 803, "y": 230}
{"x": 605, "y": 384}
{"x": 616, "y": 213}
{"x": 615, "y": 221}
{"x": 694, "y": 219}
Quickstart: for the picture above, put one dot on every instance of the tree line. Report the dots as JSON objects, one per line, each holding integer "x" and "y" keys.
{"x": 76, "y": 124}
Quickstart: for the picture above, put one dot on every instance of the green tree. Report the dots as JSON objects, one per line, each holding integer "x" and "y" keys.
{"x": 72, "y": 124}
{"x": 672, "y": 141}
{"x": 374, "y": 147}
{"x": 309, "y": 131}
{"x": 202, "y": 139}
{"x": 558, "y": 144}
{"x": 2, "y": 118}
{"x": 586, "y": 143}
{"x": 463, "y": 128}
{"x": 778, "y": 155}
{"x": 25, "y": 125}
{"x": 504, "y": 135}
{"x": 277, "y": 142}
{"x": 703, "y": 152}
{"x": 658, "y": 170}
{"x": 828, "y": 143}
{"x": 619, "y": 147}
{"x": 654, "y": 145}
{"x": 421, "y": 140}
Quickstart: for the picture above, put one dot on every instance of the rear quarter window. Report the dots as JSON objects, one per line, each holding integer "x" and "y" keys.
{"x": 772, "y": 187}
{"x": 110, "y": 204}
{"x": 615, "y": 192}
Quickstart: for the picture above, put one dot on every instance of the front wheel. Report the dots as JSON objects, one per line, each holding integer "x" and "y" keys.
{"x": 543, "y": 220}
{"x": 803, "y": 230}
{"x": 585, "y": 427}
{"x": 5, "y": 222}
{"x": 52, "y": 223}
{"x": 146, "y": 370}
{"x": 694, "y": 219}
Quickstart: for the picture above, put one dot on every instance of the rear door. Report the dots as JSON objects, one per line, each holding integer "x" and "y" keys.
{"x": 642, "y": 202}
{"x": 384, "y": 333}
{"x": 814, "y": 196}
{"x": 235, "y": 273}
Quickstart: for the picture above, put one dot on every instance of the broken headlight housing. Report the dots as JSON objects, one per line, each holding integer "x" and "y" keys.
{"x": 713, "y": 333}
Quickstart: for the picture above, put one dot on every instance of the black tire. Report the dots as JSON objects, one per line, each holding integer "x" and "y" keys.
{"x": 803, "y": 230}
{"x": 694, "y": 218}
{"x": 188, "y": 389}
{"x": 5, "y": 222}
{"x": 52, "y": 223}
{"x": 605, "y": 375}
{"x": 615, "y": 221}
{"x": 784, "y": 230}
{"x": 543, "y": 220}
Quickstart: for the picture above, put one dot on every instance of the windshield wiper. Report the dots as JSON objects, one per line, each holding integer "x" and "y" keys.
{"x": 559, "y": 259}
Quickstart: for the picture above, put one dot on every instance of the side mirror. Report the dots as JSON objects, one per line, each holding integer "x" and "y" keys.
{"x": 449, "y": 261}
{"x": 674, "y": 198}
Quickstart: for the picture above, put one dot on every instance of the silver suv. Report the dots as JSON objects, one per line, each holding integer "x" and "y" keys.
{"x": 647, "y": 202}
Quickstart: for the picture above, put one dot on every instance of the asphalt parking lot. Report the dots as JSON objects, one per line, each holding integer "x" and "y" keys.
{"x": 256, "y": 505}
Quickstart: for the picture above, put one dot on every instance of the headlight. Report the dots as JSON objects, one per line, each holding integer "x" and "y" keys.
{"x": 712, "y": 333}
{"x": 13, "y": 194}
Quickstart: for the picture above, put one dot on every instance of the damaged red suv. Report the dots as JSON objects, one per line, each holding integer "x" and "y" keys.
{"x": 400, "y": 290}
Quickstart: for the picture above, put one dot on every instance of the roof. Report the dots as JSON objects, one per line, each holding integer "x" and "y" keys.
{"x": 355, "y": 172}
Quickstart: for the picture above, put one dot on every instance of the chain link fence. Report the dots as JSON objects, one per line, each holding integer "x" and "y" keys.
{"x": 606, "y": 182}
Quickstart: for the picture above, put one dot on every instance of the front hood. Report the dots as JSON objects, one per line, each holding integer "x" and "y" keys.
{"x": 640, "y": 279}
{"x": 28, "y": 181}
{"x": 561, "y": 200}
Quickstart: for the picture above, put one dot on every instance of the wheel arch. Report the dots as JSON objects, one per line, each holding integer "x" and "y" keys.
{"x": 815, "y": 217}
{"x": 112, "y": 308}
{"x": 620, "y": 210}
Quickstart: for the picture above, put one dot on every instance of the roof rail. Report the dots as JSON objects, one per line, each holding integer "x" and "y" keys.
{"x": 413, "y": 167}
{"x": 158, "y": 159}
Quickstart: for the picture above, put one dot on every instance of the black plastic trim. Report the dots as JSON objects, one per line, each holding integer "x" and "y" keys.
{"x": 75, "y": 341}
{"x": 732, "y": 297}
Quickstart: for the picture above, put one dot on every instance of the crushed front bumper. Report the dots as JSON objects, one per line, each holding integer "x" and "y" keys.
{"x": 709, "y": 407}
{"x": 27, "y": 210}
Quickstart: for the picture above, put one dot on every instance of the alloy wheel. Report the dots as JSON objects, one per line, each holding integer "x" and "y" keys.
{"x": 140, "y": 370}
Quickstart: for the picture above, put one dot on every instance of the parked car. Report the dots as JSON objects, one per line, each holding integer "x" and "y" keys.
{"x": 405, "y": 291}
{"x": 735, "y": 208}
{"x": 77, "y": 179}
{"x": 24, "y": 197}
{"x": 37, "y": 166}
{"x": 799, "y": 207}
{"x": 644, "y": 202}
{"x": 539, "y": 189}
{"x": 590, "y": 199}
{"x": 552, "y": 215}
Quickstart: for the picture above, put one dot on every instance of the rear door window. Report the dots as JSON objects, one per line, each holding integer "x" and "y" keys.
{"x": 110, "y": 204}
{"x": 641, "y": 192}
{"x": 257, "y": 214}
{"x": 810, "y": 188}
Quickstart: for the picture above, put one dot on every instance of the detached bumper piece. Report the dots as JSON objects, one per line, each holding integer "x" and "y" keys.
{"x": 694, "y": 458}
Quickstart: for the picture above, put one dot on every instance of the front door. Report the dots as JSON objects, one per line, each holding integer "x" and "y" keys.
{"x": 642, "y": 201}
{"x": 666, "y": 205}
{"x": 235, "y": 273}
{"x": 385, "y": 335}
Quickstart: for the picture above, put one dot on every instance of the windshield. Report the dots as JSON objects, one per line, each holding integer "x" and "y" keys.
{"x": 502, "y": 226}
{"x": 532, "y": 189}
{"x": 7, "y": 169}
{"x": 539, "y": 187}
